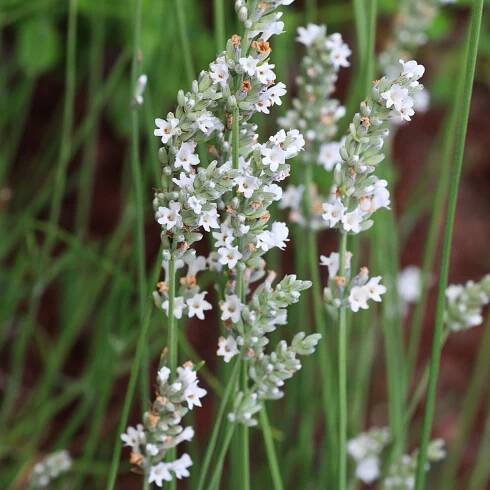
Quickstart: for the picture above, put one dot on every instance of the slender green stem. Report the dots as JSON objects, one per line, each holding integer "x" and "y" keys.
{"x": 481, "y": 469}
{"x": 270, "y": 450}
{"x": 218, "y": 423}
{"x": 55, "y": 208}
{"x": 243, "y": 430}
{"x": 86, "y": 181}
{"x": 216, "y": 479}
{"x": 469, "y": 409}
{"x": 135, "y": 368}
{"x": 328, "y": 386}
{"x": 137, "y": 181}
{"x": 219, "y": 24}
{"x": 172, "y": 343}
{"x": 184, "y": 40}
{"x": 459, "y": 139}
{"x": 438, "y": 205}
{"x": 67, "y": 127}
{"x": 342, "y": 373}
{"x": 420, "y": 389}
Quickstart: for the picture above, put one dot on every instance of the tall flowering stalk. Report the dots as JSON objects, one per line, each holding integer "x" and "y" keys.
{"x": 230, "y": 198}
{"x": 316, "y": 113}
{"x": 356, "y": 194}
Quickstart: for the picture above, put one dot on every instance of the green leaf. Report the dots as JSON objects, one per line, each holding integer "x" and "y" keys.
{"x": 38, "y": 45}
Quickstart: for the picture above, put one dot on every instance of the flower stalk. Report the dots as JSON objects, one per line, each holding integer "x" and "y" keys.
{"x": 459, "y": 139}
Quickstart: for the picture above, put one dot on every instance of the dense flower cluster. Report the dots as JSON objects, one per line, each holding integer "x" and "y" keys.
{"x": 162, "y": 430}
{"x": 248, "y": 326}
{"x": 239, "y": 83}
{"x": 361, "y": 287}
{"x": 464, "y": 304}
{"x": 367, "y": 451}
{"x": 49, "y": 469}
{"x": 190, "y": 300}
{"x": 316, "y": 114}
{"x": 357, "y": 192}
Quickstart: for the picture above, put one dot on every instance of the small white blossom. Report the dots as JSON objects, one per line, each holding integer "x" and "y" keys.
{"x": 197, "y": 305}
{"x": 160, "y": 473}
{"x": 195, "y": 204}
{"x": 358, "y": 298}
{"x": 375, "y": 289}
{"x": 265, "y": 73}
{"x": 329, "y": 155}
{"x": 229, "y": 256}
{"x": 249, "y": 65}
{"x": 166, "y": 128}
{"x": 409, "y": 284}
{"x": 352, "y": 221}
{"x": 219, "y": 71}
{"x": 186, "y": 157}
{"x": 309, "y": 34}
{"x": 209, "y": 219}
{"x": 411, "y": 69}
{"x": 169, "y": 217}
{"x": 231, "y": 308}
{"x": 276, "y": 237}
{"x": 179, "y": 306}
{"x": 333, "y": 212}
{"x": 273, "y": 157}
{"x": 247, "y": 184}
{"x": 180, "y": 466}
{"x": 227, "y": 348}
{"x": 192, "y": 391}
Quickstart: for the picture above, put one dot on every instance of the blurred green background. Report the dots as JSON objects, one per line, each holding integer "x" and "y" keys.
{"x": 68, "y": 298}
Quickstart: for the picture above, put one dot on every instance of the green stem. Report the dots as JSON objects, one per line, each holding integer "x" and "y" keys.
{"x": 219, "y": 24}
{"x": 135, "y": 368}
{"x": 342, "y": 373}
{"x": 459, "y": 139}
{"x": 216, "y": 479}
{"x": 218, "y": 423}
{"x": 86, "y": 181}
{"x": 137, "y": 181}
{"x": 481, "y": 469}
{"x": 67, "y": 127}
{"x": 438, "y": 204}
{"x": 469, "y": 409}
{"x": 270, "y": 450}
{"x": 184, "y": 40}
{"x": 243, "y": 430}
{"x": 319, "y": 319}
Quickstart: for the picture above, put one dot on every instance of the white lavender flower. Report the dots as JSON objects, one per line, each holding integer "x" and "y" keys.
{"x": 177, "y": 393}
{"x": 401, "y": 473}
{"x": 189, "y": 299}
{"x": 409, "y": 32}
{"x": 409, "y": 284}
{"x": 357, "y": 192}
{"x": 464, "y": 304}
{"x": 365, "y": 450}
{"x": 49, "y": 469}
{"x": 266, "y": 310}
{"x": 316, "y": 113}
